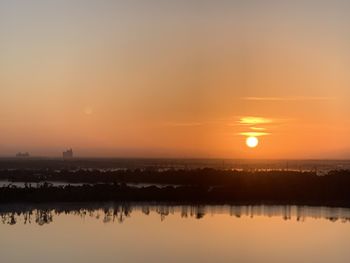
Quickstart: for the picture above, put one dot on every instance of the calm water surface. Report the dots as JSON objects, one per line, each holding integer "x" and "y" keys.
{"x": 162, "y": 233}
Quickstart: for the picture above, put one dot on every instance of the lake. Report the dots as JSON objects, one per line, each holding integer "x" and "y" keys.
{"x": 173, "y": 233}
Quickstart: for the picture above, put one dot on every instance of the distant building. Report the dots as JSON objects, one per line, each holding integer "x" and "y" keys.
{"x": 68, "y": 154}
{"x": 22, "y": 155}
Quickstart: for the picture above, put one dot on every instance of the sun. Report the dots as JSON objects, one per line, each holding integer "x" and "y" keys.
{"x": 252, "y": 142}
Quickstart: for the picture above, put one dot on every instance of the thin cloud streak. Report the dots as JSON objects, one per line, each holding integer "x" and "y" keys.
{"x": 255, "y": 125}
{"x": 254, "y": 134}
{"x": 251, "y": 120}
{"x": 258, "y": 128}
{"x": 288, "y": 98}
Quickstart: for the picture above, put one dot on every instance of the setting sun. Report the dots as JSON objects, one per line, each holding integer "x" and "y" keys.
{"x": 223, "y": 125}
{"x": 252, "y": 142}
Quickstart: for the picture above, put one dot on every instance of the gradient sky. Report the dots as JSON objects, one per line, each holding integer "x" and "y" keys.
{"x": 151, "y": 78}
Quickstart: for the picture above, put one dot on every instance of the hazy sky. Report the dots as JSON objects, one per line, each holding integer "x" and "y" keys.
{"x": 184, "y": 78}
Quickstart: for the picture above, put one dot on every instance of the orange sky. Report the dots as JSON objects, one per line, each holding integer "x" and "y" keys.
{"x": 155, "y": 79}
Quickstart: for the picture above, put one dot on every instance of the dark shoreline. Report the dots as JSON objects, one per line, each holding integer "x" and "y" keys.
{"x": 178, "y": 195}
{"x": 196, "y": 186}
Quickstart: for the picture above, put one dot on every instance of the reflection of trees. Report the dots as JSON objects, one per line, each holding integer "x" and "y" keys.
{"x": 43, "y": 217}
{"x": 119, "y": 212}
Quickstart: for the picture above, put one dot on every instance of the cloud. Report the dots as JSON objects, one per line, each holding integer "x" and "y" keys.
{"x": 288, "y": 98}
{"x": 255, "y": 126}
{"x": 250, "y": 120}
{"x": 254, "y": 134}
{"x": 258, "y": 128}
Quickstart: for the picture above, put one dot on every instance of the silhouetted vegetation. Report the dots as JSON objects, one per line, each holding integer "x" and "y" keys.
{"x": 194, "y": 186}
{"x": 203, "y": 176}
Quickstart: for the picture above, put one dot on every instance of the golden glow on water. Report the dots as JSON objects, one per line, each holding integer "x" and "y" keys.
{"x": 217, "y": 237}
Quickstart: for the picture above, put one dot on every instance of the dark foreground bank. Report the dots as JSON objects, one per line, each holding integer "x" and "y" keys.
{"x": 206, "y": 186}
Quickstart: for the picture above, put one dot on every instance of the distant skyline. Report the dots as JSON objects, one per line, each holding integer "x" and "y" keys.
{"x": 183, "y": 79}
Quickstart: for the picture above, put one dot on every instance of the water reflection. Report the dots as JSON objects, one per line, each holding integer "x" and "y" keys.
{"x": 118, "y": 212}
